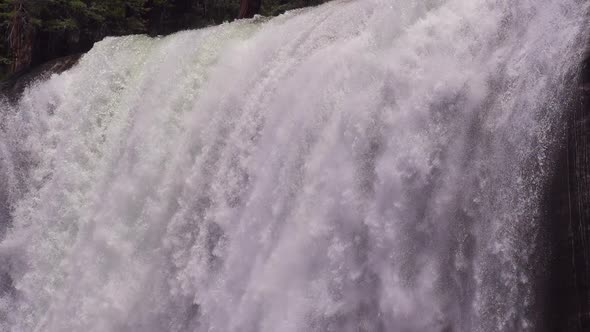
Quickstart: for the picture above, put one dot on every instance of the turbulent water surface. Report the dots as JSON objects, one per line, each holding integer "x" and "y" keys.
{"x": 371, "y": 165}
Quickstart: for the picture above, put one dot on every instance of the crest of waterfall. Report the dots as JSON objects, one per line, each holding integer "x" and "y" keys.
{"x": 371, "y": 165}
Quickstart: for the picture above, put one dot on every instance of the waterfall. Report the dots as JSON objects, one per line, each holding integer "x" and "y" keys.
{"x": 370, "y": 165}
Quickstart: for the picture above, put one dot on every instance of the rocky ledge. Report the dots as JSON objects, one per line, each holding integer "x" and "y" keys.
{"x": 13, "y": 86}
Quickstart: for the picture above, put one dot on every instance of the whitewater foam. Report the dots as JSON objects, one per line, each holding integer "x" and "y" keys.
{"x": 360, "y": 166}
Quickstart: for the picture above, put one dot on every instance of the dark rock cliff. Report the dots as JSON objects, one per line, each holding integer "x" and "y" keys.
{"x": 14, "y": 85}
{"x": 568, "y": 209}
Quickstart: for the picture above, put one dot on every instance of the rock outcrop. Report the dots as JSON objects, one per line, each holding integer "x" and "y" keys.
{"x": 15, "y": 84}
{"x": 568, "y": 208}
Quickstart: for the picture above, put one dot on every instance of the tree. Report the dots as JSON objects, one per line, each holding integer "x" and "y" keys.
{"x": 17, "y": 24}
{"x": 249, "y": 8}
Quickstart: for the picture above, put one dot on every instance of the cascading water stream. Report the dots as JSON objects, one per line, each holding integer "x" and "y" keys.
{"x": 371, "y": 165}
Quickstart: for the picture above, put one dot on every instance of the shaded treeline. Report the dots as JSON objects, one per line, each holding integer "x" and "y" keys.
{"x": 36, "y": 31}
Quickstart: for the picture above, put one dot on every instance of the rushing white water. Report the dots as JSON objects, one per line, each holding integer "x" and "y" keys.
{"x": 371, "y": 165}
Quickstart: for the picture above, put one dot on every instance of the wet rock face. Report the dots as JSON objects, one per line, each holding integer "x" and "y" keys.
{"x": 568, "y": 295}
{"x": 579, "y": 180}
{"x": 15, "y": 84}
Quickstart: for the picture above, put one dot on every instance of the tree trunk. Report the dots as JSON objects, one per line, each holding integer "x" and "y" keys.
{"x": 20, "y": 38}
{"x": 249, "y": 8}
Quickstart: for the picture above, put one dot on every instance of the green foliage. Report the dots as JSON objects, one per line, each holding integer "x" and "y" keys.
{"x": 67, "y": 26}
